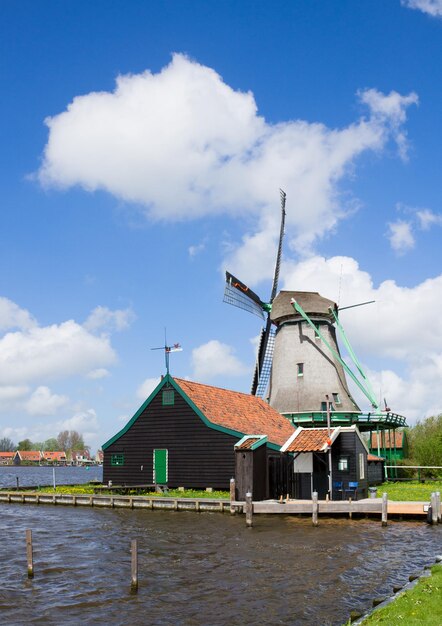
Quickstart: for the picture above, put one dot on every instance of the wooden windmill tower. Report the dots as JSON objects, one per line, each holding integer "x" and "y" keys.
{"x": 299, "y": 367}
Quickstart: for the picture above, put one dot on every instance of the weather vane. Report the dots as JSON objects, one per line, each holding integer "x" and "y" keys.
{"x": 176, "y": 347}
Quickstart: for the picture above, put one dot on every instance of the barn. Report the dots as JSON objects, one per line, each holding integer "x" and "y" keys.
{"x": 185, "y": 433}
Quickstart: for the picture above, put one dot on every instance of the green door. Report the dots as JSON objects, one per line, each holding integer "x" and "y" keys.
{"x": 160, "y": 467}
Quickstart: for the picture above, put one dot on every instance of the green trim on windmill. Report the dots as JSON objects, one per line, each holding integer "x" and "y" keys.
{"x": 337, "y": 356}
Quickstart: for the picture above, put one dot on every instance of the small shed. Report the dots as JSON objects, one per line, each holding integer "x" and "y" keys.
{"x": 392, "y": 444}
{"x": 185, "y": 433}
{"x": 312, "y": 449}
{"x": 376, "y": 469}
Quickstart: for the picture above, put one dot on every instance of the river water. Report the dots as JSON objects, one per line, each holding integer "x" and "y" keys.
{"x": 35, "y": 476}
{"x": 200, "y": 569}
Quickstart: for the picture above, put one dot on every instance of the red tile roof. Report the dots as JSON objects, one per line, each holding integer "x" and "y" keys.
{"x": 55, "y": 456}
{"x": 29, "y": 455}
{"x": 7, "y": 455}
{"x": 247, "y": 444}
{"x": 398, "y": 436}
{"x": 372, "y": 457}
{"x": 310, "y": 440}
{"x": 242, "y": 412}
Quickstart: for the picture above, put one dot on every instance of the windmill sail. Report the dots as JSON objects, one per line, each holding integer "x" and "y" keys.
{"x": 262, "y": 372}
{"x": 238, "y": 294}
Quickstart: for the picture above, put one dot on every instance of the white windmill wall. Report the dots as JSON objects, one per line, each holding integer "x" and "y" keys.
{"x": 297, "y": 343}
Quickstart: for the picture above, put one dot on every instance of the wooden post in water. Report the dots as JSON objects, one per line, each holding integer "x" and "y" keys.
{"x": 315, "y": 508}
{"x": 438, "y": 507}
{"x": 29, "y": 554}
{"x": 134, "y": 565}
{"x": 384, "y": 514}
{"x": 249, "y": 510}
{"x": 434, "y": 511}
{"x": 232, "y": 496}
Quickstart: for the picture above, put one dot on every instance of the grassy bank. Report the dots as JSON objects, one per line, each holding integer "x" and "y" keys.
{"x": 420, "y": 606}
{"x": 173, "y": 493}
{"x": 410, "y": 490}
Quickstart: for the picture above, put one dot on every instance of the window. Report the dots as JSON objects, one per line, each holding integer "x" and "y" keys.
{"x": 117, "y": 459}
{"x": 168, "y": 396}
{"x": 361, "y": 466}
{"x": 336, "y": 398}
{"x": 324, "y": 406}
{"x": 343, "y": 464}
{"x": 300, "y": 369}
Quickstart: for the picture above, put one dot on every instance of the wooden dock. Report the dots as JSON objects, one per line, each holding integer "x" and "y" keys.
{"x": 372, "y": 507}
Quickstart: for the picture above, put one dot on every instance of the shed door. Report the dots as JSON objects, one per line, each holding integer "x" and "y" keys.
{"x": 160, "y": 466}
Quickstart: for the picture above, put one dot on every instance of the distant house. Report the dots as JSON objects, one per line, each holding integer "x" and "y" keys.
{"x": 99, "y": 457}
{"x": 393, "y": 445}
{"x": 56, "y": 457}
{"x": 309, "y": 449}
{"x": 28, "y": 457}
{"x": 81, "y": 457}
{"x": 185, "y": 434}
{"x": 6, "y": 458}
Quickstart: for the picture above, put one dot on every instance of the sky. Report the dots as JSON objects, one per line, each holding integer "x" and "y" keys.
{"x": 143, "y": 146}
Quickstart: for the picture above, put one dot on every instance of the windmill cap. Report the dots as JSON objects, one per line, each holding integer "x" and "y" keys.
{"x": 312, "y": 303}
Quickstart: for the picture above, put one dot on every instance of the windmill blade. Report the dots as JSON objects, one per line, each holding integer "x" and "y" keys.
{"x": 238, "y": 294}
{"x": 278, "y": 256}
{"x": 261, "y": 376}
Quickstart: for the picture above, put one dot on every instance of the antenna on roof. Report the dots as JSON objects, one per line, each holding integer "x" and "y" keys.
{"x": 176, "y": 347}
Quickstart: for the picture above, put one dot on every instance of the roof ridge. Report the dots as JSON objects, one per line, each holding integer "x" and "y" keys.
{"x": 242, "y": 393}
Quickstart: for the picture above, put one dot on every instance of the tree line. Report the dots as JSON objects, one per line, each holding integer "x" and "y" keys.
{"x": 66, "y": 441}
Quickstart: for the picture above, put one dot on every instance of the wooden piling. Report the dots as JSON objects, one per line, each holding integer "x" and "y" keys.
{"x": 438, "y": 509}
{"x": 249, "y": 510}
{"x": 29, "y": 555}
{"x": 384, "y": 514}
{"x": 434, "y": 511}
{"x": 232, "y": 496}
{"x": 134, "y": 565}
{"x": 315, "y": 508}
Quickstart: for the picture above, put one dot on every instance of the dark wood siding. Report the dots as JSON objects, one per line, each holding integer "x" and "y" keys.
{"x": 350, "y": 445}
{"x": 375, "y": 472}
{"x": 198, "y": 456}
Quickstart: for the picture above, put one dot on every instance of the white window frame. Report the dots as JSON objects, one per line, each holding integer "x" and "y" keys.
{"x": 361, "y": 466}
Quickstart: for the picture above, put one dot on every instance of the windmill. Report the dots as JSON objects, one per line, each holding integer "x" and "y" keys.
{"x": 299, "y": 363}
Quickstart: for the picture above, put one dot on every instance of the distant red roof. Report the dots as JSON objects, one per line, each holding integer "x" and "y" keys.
{"x": 310, "y": 440}
{"x": 372, "y": 457}
{"x": 7, "y": 455}
{"x": 55, "y": 456}
{"x": 398, "y": 438}
{"x": 29, "y": 455}
{"x": 238, "y": 411}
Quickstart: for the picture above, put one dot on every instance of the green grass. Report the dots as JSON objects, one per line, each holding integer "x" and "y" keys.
{"x": 410, "y": 490}
{"x": 420, "y": 606}
{"x": 172, "y": 493}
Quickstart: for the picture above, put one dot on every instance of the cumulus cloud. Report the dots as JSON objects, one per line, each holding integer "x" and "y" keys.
{"x": 12, "y": 316}
{"x": 183, "y": 144}
{"x": 401, "y": 237}
{"x": 104, "y": 319}
{"x": 10, "y": 393}
{"x": 214, "y": 359}
{"x": 44, "y": 402}
{"x": 146, "y": 387}
{"x": 85, "y": 422}
{"x": 401, "y": 327}
{"x": 428, "y": 218}
{"x": 101, "y": 372}
{"x": 431, "y": 7}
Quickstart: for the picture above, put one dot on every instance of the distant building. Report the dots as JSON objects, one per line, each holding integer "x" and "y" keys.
{"x": 6, "y": 458}
{"x": 81, "y": 457}
{"x": 99, "y": 456}
{"x": 56, "y": 457}
{"x": 28, "y": 457}
{"x": 392, "y": 445}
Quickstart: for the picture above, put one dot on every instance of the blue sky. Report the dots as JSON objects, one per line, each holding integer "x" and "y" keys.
{"x": 143, "y": 148}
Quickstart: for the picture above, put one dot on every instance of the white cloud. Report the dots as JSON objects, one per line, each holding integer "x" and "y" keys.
{"x": 146, "y": 387}
{"x": 402, "y": 327}
{"x": 85, "y": 422}
{"x": 50, "y": 352}
{"x": 401, "y": 236}
{"x": 101, "y": 372}
{"x": 102, "y": 318}
{"x": 13, "y": 392}
{"x": 196, "y": 249}
{"x": 432, "y": 7}
{"x": 44, "y": 402}
{"x": 12, "y": 316}
{"x": 183, "y": 144}
{"x": 428, "y": 218}
{"x": 214, "y": 359}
